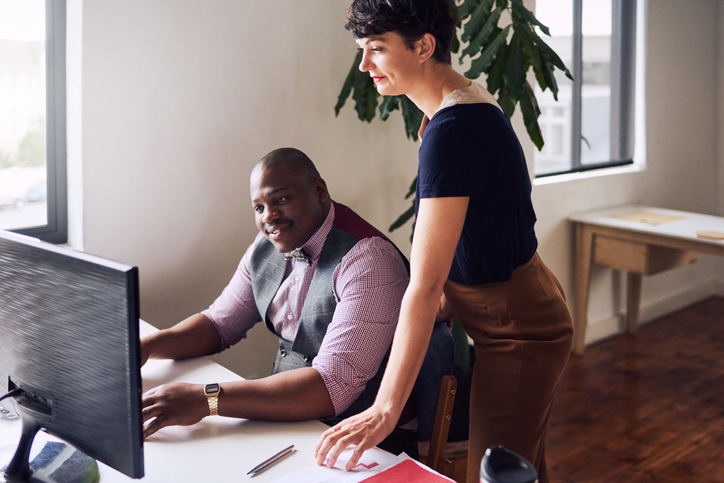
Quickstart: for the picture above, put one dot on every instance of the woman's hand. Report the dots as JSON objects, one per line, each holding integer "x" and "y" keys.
{"x": 366, "y": 430}
{"x": 176, "y": 404}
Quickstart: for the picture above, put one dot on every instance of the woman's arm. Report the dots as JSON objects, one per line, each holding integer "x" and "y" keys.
{"x": 437, "y": 231}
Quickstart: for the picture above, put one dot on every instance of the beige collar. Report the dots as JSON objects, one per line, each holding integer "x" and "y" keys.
{"x": 472, "y": 94}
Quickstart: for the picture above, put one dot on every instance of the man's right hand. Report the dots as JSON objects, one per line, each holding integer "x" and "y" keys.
{"x": 175, "y": 404}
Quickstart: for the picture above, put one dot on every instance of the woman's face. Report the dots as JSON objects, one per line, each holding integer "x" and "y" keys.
{"x": 393, "y": 66}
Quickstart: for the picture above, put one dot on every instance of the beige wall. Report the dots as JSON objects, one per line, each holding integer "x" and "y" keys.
{"x": 181, "y": 97}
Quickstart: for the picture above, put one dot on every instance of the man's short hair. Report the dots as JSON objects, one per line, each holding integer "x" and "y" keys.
{"x": 291, "y": 159}
{"x": 411, "y": 19}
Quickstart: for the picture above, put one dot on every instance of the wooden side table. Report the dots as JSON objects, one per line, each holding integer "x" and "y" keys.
{"x": 637, "y": 240}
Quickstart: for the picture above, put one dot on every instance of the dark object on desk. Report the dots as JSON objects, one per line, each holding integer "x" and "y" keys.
{"x": 69, "y": 352}
{"x": 500, "y": 465}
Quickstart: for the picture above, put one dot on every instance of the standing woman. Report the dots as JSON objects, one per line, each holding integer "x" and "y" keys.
{"x": 474, "y": 249}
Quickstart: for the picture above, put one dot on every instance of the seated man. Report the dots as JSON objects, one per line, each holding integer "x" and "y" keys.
{"x": 325, "y": 281}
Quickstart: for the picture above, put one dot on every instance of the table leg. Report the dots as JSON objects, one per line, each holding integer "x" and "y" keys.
{"x": 633, "y": 299}
{"x": 584, "y": 252}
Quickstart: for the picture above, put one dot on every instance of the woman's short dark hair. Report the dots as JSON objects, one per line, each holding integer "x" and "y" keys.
{"x": 411, "y": 19}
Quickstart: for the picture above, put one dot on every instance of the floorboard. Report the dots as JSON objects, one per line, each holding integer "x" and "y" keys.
{"x": 646, "y": 407}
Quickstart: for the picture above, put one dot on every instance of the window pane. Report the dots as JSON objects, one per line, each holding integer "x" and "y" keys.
{"x": 23, "y": 171}
{"x": 555, "y": 119}
{"x": 596, "y": 88}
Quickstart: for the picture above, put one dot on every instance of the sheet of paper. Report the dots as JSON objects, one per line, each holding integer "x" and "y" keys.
{"x": 372, "y": 462}
{"x": 408, "y": 471}
{"x": 648, "y": 217}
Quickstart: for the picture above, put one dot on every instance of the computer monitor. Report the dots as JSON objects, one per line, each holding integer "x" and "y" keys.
{"x": 69, "y": 349}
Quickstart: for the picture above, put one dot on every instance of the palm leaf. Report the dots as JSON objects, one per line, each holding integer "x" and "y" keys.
{"x": 488, "y": 56}
{"x": 482, "y": 37}
{"x": 528, "y": 17}
{"x": 347, "y": 86}
{"x": 388, "y": 104}
{"x": 478, "y": 18}
{"x": 531, "y": 111}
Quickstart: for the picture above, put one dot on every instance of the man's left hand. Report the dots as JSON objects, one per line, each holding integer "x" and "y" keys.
{"x": 177, "y": 404}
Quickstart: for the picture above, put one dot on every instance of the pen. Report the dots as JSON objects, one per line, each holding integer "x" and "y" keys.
{"x": 267, "y": 463}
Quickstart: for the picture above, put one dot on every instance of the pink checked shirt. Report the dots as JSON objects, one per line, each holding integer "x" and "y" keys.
{"x": 369, "y": 283}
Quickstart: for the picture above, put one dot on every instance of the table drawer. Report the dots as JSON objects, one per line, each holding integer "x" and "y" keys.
{"x": 639, "y": 258}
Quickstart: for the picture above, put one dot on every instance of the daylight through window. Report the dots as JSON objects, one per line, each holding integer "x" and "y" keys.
{"x": 32, "y": 118}
{"x": 592, "y": 123}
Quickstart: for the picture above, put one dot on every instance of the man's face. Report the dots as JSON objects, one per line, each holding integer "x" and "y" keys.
{"x": 289, "y": 207}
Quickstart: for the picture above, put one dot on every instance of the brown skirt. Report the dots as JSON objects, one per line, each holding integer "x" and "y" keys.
{"x": 522, "y": 331}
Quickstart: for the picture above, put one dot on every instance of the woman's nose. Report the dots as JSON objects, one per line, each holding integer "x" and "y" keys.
{"x": 365, "y": 63}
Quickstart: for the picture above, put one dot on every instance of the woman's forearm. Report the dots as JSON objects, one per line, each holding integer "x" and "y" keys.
{"x": 417, "y": 317}
{"x": 432, "y": 253}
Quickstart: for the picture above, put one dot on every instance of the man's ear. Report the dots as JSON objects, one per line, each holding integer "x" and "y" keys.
{"x": 321, "y": 186}
{"x": 426, "y": 46}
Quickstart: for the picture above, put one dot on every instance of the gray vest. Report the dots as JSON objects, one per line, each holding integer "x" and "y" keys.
{"x": 267, "y": 267}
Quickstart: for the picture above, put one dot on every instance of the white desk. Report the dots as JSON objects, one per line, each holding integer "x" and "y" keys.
{"x": 637, "y": 248}
{"x": 216, "y": 449}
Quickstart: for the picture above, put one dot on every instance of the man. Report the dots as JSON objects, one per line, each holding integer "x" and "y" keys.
{"x": 335, "y": 312}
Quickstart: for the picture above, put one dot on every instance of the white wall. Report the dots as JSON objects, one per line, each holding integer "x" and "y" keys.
{"x": 181, "y": 97}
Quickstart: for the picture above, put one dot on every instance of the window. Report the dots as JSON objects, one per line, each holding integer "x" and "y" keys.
{"x": 592, "y": 125}
{"x": 33, "y": 193}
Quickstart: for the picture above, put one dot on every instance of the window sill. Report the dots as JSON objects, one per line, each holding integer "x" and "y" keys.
{"x": 561, "y": 178}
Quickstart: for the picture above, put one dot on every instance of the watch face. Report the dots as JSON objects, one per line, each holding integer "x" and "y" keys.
{"x": 211, "y": 388}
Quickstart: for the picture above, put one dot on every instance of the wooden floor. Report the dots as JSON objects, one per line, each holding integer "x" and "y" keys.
{"x": 645, "y": 408}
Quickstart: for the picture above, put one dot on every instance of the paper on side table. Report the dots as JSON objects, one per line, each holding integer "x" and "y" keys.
{"x": 648, "y": 217}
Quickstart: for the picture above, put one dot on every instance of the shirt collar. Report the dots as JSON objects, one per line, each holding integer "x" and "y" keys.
{"x": 313, "y": 246}
{"x": 471, "y": 94}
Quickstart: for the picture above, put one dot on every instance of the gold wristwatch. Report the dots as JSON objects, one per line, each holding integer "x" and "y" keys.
{"x": 212, "y": 396}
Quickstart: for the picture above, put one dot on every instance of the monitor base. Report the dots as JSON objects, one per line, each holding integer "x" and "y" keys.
{"x": 53, "y": 462}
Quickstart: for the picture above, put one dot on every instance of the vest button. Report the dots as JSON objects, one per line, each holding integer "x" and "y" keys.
{"x": 305, "y": 358}
{"x": 283, "y": 352}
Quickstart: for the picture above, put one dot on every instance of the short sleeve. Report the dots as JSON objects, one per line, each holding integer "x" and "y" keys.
{"x": 457, "y": 150}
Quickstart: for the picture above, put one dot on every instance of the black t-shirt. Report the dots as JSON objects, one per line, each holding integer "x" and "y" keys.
{"x": 472, "y": 150}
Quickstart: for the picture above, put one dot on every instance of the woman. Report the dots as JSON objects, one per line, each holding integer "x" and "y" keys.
{"x": 474, "y": 244}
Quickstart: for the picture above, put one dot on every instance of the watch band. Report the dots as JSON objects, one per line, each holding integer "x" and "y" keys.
{"x": 212, "y": 396}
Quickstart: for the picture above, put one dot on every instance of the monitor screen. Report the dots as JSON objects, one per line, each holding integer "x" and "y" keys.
{"x": 69, "y": 347}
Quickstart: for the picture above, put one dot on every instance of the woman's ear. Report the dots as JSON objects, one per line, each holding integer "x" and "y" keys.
{"x": 426, "y": 46}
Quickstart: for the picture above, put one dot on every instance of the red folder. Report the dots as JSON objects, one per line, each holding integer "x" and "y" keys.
{"x": 409, "y": 471}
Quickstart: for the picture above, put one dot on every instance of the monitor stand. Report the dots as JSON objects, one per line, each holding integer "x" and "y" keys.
{"x": 52, "y": 461}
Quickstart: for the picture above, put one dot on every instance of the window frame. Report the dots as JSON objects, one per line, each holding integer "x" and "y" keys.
{"x": 56, "y": 228}
{"x": 623, "y": 88}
